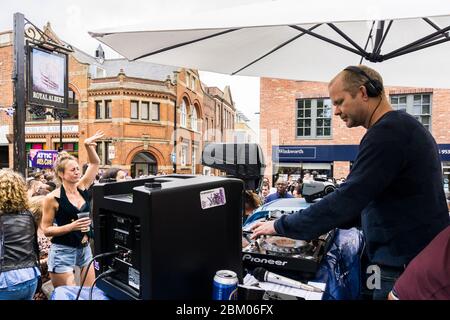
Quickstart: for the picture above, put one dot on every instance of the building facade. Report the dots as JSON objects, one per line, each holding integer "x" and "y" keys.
{"x": 153, "y": 116}
{"x": 299, "y": 131}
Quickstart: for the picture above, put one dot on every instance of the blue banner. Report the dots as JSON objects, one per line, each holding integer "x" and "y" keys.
{"x": 43, "y": 158}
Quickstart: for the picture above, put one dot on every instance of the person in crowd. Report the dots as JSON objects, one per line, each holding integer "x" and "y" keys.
{"x": 271, "y": 189}
{"x": 297, "y": 193}
{"x": 51, "y": 186}
{"x": 251, "y": 202}
{"x": 114, "y": 174}
{"x": 394, "y": 187}
{"x": 70, "y": 234}
{"x": 427, "y": 276}
{"x": 43, "y": 242}
{"x": 19, "y": 272}
{"x": 281, "y": 185}
{"x": 265, "y": 189}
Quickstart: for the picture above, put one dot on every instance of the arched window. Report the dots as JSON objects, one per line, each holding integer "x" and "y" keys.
{"x": 193, "y": 118}
{"x": 183, "y": 114}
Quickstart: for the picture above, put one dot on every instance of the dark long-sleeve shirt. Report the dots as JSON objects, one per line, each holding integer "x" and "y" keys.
{"x": 395, "y": 185}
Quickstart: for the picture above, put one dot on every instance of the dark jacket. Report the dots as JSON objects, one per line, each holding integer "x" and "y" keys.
{"x": 17, "y": 241}
{"x": 395, "y": 185}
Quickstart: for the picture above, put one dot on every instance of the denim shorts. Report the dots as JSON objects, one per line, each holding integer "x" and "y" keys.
{"x": 21, "y": 291}
{"x": 62, "y": 259}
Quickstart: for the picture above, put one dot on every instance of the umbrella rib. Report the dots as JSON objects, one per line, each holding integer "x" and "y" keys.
{"x": 367, "y": 42}
{"x": 416, "y": 43}
{"x": 343, "y": 46}
{"x": 185, "y": 43}
{"x": 412, "y": 49}
{"x": 343, "y": 35}
{"x": 431, "y": 23}
{"x": 377, "y": 52}
{"x": 275, "y": 49}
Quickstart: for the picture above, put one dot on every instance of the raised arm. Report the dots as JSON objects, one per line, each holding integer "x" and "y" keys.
{"x": 94, "y": 161}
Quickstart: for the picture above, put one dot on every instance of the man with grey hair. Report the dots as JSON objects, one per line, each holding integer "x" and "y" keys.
{"x": 282, "y": 192}
{"x": 394, "y": 187}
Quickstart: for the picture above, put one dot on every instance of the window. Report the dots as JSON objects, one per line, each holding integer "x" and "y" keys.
{"x": 98, "y": 109}
{"x": 155, "y": 111}
{"x": 184, "y": 151}
{"x": 194, "y": 159}
{"x": 183, "y": 114}
{"x": 70, "y": 147}
{"x": 193, "y": 83}
{"x": 418, "y": 105}
{"x": 314, "y": 118}
{"x": 108, "y": 109}
{"x": 103, "y": 152}
{"x": 103, "y": 109}
{"x": 144, "y": 110}
{"x": 193, "y": 118}
{"x": 73, "y": 105}
{"x": 134, "y": 110}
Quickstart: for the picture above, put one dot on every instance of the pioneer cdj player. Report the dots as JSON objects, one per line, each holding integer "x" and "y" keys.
{"x": 297, "y": 258}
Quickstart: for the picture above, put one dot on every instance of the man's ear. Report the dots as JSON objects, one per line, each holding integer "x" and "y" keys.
{"x": 364, "y": 95}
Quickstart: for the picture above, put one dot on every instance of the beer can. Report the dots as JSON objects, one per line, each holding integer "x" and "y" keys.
{"x": 225, "y": 285}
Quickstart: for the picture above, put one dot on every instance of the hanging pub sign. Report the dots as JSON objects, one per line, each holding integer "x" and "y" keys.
{"x": 42, "y": 159}
{"x": 47, "y": 77}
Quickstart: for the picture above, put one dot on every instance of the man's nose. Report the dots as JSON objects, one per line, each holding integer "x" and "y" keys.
{"x": 337, "y": 111}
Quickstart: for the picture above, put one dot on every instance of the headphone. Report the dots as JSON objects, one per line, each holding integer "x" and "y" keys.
{"x": 373, "y": 87}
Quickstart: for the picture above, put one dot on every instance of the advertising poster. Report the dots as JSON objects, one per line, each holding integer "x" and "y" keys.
{"x": 42, "y": 158}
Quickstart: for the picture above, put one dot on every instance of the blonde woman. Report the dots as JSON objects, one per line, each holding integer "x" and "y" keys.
{"x": 70, "y": 239}
{"x": 19, "y": 273}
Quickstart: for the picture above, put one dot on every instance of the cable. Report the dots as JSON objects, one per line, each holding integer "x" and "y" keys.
{"x": 101, "y": 275}
{"x": 101, "y": 255}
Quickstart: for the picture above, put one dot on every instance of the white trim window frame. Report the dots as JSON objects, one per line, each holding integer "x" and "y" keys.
{"x": 313, "y": 118}
{"x": 183, "y": 114}
{"x": 418, "y": 105}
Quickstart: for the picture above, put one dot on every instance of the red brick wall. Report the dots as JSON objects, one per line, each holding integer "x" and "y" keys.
{"x": 6, "y": 89}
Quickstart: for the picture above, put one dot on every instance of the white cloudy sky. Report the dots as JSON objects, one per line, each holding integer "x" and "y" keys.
{"x": 72, "y": 20}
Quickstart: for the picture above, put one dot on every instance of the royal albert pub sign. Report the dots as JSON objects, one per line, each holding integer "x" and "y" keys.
{"x": 47, "y": 77}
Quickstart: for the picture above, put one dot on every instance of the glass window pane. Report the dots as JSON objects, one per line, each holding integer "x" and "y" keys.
{"x": 320, "y": 113}
{"x": 108, "y": 110}
{"x": 425, "y": 120}
{"x": 394, "y": 100}
{"x": 402, "y": 99}
{"x": 327, "y": 132}
{"x": 308, "y": 104}
{"x": 308, "y": 123}
{"x": 308, "y": 113}
{"x": 426, "y": 109}
{"x": 327, "y": 112}
{"x": 301, "y": 113}
{"x": 319, "y": 131}
{"x": 307, "y": 131}
{"x": 155, "y": 111}
{"x": 299, "y": 132}
{"x": 426, "y": 98}
{"x": 134, "y": 110}
{"x": 327, "y": 122}
{"x": 144, "y": 110}
{"x": 98, "y": 109}
{"x": 417, "y": 98}
{"x": 319, "y": 122}
{"x": 319, "y": 103}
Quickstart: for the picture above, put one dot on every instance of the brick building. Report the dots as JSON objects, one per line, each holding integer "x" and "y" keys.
{"x": 137, "y": 104}
{"x": 299, "y": 131}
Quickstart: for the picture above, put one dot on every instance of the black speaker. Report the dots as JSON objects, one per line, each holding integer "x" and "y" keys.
{"x": 174, "y": 232}
{"x": 373, "y": 87}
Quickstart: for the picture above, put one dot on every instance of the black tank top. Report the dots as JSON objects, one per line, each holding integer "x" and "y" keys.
{"x": 67, "y": 213}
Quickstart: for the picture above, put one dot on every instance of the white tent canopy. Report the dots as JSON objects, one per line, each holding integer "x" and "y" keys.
{"x": 300, "y": 40}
